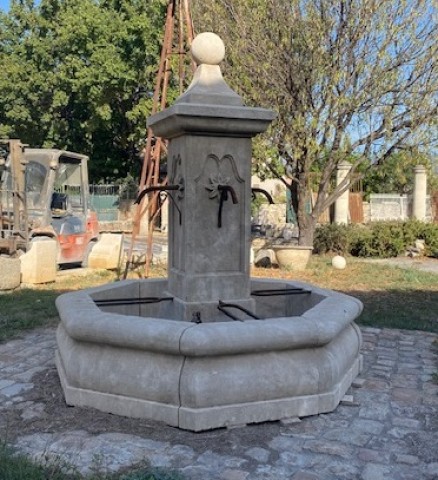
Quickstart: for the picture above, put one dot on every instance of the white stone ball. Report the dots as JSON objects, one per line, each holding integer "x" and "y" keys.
{"x": 339, "y": 262}
{"x": 208, "y": 48}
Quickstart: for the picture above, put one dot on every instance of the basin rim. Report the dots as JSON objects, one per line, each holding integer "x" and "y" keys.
{"x": 84, "y": 321}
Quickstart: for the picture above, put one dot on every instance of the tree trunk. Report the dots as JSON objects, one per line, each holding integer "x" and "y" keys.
{"x": 306, "y": 220}
{"x": 306, "y": 225}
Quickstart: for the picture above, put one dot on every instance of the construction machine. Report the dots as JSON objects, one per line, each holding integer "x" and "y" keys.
{"x": 44, "y": 193}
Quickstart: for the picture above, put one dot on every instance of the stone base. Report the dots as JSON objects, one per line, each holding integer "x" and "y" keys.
{"x": 208, "y": 375}
{"x": 200, "y": 419}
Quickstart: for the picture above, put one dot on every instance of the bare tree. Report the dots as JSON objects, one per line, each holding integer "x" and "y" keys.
{"x": 350, "y": 79}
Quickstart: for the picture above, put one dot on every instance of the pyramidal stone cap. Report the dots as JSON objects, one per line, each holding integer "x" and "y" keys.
{"x": 209, "y": 105}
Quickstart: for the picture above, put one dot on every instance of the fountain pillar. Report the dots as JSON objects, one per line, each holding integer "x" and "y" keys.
{"x": 209, "y": 159}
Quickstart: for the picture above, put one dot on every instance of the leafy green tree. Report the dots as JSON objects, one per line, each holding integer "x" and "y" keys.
{"x": 350, "y": 79}
{"x": 396, "y": 174}
{"x": 78, "y": 75}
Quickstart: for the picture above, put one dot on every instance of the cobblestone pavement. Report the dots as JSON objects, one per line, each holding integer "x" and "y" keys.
{"x": 388, "y": 431}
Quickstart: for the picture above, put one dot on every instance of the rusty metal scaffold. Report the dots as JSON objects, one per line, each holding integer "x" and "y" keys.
{"x": 178, "y": 36}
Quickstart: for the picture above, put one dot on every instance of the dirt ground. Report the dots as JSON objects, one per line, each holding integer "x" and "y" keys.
{"x": 62, "y": 418}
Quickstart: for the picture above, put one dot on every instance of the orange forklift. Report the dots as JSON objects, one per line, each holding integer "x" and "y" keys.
{"x": 44, "y": 193}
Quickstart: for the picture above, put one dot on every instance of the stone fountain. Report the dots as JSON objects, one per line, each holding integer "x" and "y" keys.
{"x": 208, "y": 347}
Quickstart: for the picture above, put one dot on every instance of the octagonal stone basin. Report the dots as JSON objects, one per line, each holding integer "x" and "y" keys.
{"x": 137, "y": 361}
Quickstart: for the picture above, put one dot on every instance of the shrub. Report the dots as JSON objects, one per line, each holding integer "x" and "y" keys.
{"x": 361, "y": 242}
{"x": 332, "y": 238}
{"x": 379, "y": 239}
{"x": 387, "y": 239}
{"x": 428, "y": 232}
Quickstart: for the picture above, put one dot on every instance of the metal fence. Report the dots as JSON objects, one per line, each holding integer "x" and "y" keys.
{"x": 107, "y": 200}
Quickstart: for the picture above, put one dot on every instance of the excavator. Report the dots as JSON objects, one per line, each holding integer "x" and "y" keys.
{"x": 44, "y": 193}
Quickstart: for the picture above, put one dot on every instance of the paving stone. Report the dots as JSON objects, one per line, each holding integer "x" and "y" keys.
{"x": 375, "y": 412}
{"x": 220, "y": 461}
{"x": 198, "y": 472}
{"x": 305, "y": 476}
{"x": 383, "y": 368}
{"x": 387, "y": 363}
{"x": 272, "y": 473}
{"x": 432, "y": 469}
{"x": 344, "y": 471}
{"x": 27, "y": 375}
{"x": 287, "y": 443}
{"x": 32, "y": 412}
{"x": 430, "y": 400}
{"x": 367, "y": 426}
{"x": 408, "y": 459}
{"x": 294, "y": 458}
{"x": 16, "y": 389}
{"x": 259, "y": 454}
{"x": 5, "y": 383}
{"x": 373, "y": 456}
{"x": 376, "y": 384}
{"x": 374, "y": 471}
{"x": 406, "y": 395}
{"x": 330, "y": 448}
{"x": 406, "y": 422}
{"x": 351, "y": 436}
{"x": 234, "y": 474}
{"x": 404, "y": 381}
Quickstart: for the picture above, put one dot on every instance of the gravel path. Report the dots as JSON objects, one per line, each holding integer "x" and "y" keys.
{"x": 424, "y": 264}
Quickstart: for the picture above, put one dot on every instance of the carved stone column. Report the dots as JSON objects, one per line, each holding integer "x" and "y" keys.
{"x": 209, "y": 158}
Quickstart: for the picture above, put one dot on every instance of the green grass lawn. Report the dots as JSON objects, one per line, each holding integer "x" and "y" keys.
{"x": 392, "y": 297}
{"x": 27, "y": 308}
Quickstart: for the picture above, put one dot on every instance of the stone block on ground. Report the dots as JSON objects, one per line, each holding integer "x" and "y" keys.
{"x": 38, "y": 264}
{"x": 10, "y": 273}
{"x": 265, "y": 258}
{"x": 107, "y": 252}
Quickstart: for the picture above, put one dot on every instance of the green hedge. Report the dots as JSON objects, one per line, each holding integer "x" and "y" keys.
{"x": 379, "y": 239}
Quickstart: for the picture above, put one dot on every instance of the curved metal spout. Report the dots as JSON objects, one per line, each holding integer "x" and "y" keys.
{"x": 163, "y": 188}
{"x": 263, "y": 192}
{"x": 228, "y": 188}
{"x": 224, "y": 189}
{"x": 156, "y": 188}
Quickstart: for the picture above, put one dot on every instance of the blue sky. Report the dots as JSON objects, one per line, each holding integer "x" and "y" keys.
{"x": 4, "y": 4}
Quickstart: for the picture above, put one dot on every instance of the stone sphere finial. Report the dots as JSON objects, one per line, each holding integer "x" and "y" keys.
{"x": 208, "y": 48}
